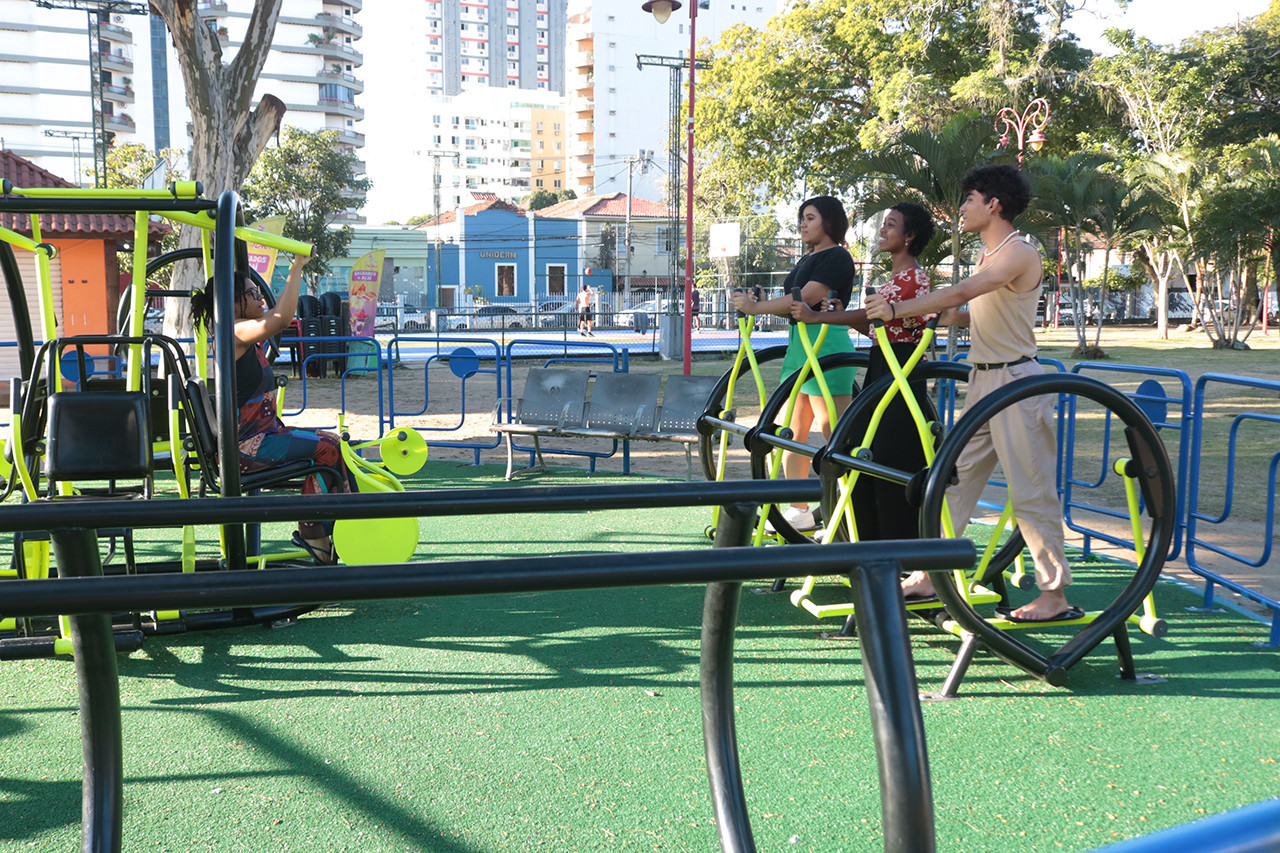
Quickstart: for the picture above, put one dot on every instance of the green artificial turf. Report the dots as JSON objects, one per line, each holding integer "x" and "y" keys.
{"x": 570, "y": 721}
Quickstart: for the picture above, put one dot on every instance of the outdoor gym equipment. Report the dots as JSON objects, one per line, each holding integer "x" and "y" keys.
{"x": 83, "y": 443}
{"x": 1144, "y": 474}
{"x": 896, "y": 722}
{"x": 724, "y": 419}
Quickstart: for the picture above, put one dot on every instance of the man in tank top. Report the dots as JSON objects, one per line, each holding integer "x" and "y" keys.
{"x": 1002, "y": 297}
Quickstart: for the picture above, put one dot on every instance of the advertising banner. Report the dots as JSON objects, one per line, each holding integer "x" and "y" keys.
{"x": 366, "y": 279}
{"x": 262, "y": 259}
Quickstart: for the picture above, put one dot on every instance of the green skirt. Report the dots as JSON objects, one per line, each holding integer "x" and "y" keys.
{"x": 840, "y": 380}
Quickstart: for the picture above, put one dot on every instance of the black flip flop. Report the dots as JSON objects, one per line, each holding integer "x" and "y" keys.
{"x": 1065, "y": 616}
{"x": 316, "y": 554}
{"x": 917, "y": 598}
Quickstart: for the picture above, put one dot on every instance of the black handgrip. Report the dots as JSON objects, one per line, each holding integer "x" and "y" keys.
{"x": 832, "y": 296}
{"x": 796, "y": 296}
{"x": 871, "y": 291}
{"x": 736, "y": 313}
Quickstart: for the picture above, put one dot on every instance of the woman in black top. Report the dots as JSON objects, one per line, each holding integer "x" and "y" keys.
{"x": 826, "y": 266}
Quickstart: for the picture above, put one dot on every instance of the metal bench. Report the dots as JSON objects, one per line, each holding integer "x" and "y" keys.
{"x": 620, "y": 406}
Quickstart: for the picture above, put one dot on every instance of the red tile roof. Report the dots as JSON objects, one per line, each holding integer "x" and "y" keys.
{"x": 494, "y": 203}
{"x": 478, "y": 196}
{"x": 613, "y": 205}
{"x": 22, "y": 173}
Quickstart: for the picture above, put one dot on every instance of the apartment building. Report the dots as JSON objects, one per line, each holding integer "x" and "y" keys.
{"x": 508, "y": 44}
{"x": 493, "y": 140}
{"x": 616, "y": 106}
{"x": 51, "y": 117}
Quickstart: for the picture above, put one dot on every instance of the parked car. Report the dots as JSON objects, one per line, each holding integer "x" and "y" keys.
{"x": 387, "y": 318}
{"x": 415, "y": 320}
{"x": 565, "y": 316}
{"x": 654, "y": 307}
{"x": 153, "y": 321}
{"x": 486, "y": 317}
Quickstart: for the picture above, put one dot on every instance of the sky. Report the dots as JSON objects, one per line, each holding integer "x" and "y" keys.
{"x": 401, "y": 179}
{"x": 1161, "y": 21}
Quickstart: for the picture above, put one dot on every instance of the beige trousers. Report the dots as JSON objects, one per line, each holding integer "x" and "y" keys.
{"x": 1022, "y": 439}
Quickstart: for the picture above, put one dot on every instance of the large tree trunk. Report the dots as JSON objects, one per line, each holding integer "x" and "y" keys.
{"x": 228, "y": 133}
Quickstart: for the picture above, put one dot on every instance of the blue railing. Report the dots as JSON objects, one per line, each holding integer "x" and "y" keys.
{"x": 1196, "y": 516}
{"x": 1155, "y": 401}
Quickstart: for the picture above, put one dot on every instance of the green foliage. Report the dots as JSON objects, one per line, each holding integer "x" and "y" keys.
{"x": 799, "y": 103}
{"x": 1165, "y": 96}
{"x": 309, "y": 180}
{"x": 1128, "y": 279}
{"x": 128, "y": 166}
{"x": 538, "y": 199}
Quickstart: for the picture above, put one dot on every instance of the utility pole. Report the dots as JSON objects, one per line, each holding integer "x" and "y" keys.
{"x": 642, "y": 157}
{"x": 677, "y": 65}
{"x": 435, "y": 156}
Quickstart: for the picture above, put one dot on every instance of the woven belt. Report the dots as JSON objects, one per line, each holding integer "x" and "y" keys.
{"x": 996, "y": 365}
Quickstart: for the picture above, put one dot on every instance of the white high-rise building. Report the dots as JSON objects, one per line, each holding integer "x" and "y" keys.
{"x": 50, "y": 118}
{"x": 509, "y": 44}
{"x": 492, "y": 140}
{"x": 617, "y": 108}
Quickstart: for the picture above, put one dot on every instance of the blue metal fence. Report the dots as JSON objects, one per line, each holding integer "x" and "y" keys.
{"x": 1196, "y": 516}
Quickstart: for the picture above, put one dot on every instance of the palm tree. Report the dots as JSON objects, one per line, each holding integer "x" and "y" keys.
{"x": 928, "y": 167}
{"x": 1237, "y": 220}
{"x": 1179, "y": 180}
{"x": 1119, "y": 213}
{"x": 1066, "y": 192}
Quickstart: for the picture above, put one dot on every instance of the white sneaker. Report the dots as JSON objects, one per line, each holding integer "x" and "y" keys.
{"x": 799, "y": 519}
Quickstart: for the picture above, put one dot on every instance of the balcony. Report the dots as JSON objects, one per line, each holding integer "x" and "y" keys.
{"x": 350, "y": 217}
{"x": 340, "y": 52}
{"x": 115, "y": 32}
{"x": 338, "y": 106}
{"x": 332, "y": 75}
{"x": 353, "y": 5}
{"x": 116, "y": 62}
{"x": 347, "y": 137}
{"x": 339, "y": 23}
{"x": 121, "y": 123}
{"x": 209, "y": 8}
{"x": 118, "y": 94}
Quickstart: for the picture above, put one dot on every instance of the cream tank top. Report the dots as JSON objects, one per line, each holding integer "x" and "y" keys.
{"x": 1002, "y": 325}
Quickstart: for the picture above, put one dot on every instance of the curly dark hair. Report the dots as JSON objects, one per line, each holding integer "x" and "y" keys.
{"x": 202, "y": 300}
{"x": 1001, "y": 182}
{"x": 917, "y": 224}
{"x": 834, "y": 220}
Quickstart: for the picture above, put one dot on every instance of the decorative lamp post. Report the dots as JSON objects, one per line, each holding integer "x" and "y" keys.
{"x": 1033, "y": 118}
{"x": 661, "y": 10}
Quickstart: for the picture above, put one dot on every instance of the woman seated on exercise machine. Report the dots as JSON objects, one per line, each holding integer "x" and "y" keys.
{"x": 265, "y": 442}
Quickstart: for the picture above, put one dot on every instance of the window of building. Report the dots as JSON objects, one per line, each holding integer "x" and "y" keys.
{"x": 538, "y": 183}
{"x": 506, "y": 279}
{"x": 556, "y": 183}
{"x": 555, "y": 127}
{"x": 556, "y": 276}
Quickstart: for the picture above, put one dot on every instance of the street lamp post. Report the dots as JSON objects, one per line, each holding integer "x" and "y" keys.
{"x": 1034, "y": 117}
{"x": 661, "y": 10}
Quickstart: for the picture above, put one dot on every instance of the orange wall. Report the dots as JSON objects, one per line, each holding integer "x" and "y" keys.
{"x": 90, "y": 286}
